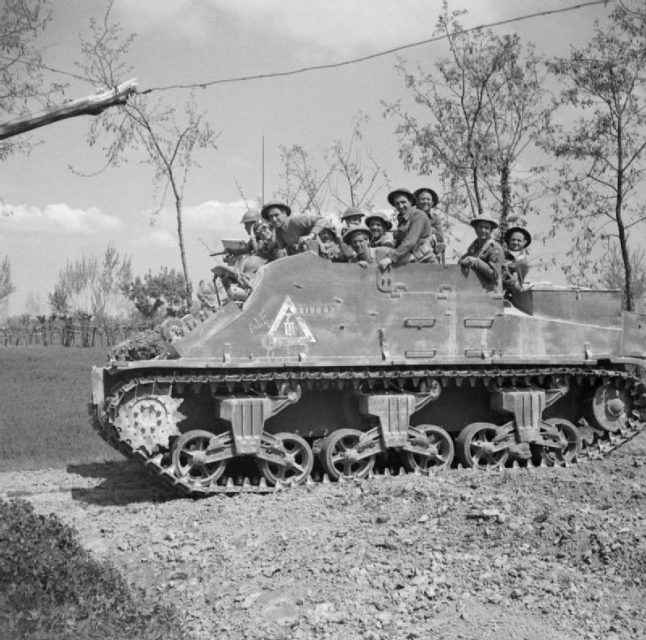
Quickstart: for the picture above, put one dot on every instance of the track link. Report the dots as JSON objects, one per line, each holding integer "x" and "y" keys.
{"x": 596, "y": 445}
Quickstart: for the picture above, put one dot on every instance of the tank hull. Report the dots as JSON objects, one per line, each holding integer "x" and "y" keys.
{"x": 335, "y": 369}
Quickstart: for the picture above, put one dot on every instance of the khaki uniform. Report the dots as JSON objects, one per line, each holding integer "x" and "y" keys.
{"x": 413, "y": 239}
{"x": 489, "y": 259}
{"x": 436, "y": 223}
{"x": 386, "y": 240}
{"x": 295, "y": 227}
{"x": 514, "y": 270}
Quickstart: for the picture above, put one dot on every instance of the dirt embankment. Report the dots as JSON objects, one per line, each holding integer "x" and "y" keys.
{"x": 523, "y": 554}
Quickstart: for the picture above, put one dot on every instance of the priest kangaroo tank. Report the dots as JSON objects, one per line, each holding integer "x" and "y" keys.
{"x": 334, "y": 370}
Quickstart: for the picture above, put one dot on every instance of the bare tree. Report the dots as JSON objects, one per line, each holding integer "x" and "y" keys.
{"x": 169, "y": 139}
{"x": 115, "y": 273}
{"x": 304, "y": 185}
{"x": 481, "y": 108}
{"x": 346, "y": 173}
{"x": 613, "y": 274}
{"x": 77, "y": 281}
{"x": 604, "y": 149}
{"x": 356, "y": 176}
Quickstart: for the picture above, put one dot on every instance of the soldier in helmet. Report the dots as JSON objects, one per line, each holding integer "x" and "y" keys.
{"x": 329, "y": 243}
{"x": 249, "y": 219}
{"x": 427, "y": 200}
{"x": 292, "y": 232}
{"x": 380, "y": 226}
{"x": 350, "y": 218}
{"x": 358, "y": 237}
{"x": 484, "y": 255}
{"x": 414, "y": 232}
{"x": 515, "y": 266}
{"x": 266, "y": 245}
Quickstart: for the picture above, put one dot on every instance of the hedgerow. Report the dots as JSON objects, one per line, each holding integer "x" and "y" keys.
{"x": 50, "y": 587}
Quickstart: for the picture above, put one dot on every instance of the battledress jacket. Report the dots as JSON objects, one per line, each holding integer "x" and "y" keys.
{"x": 514, "y": 270}
{"x": 436, "y": 223}
{"x": 413, "y": 238}
{"x": 386, "y": 240}
{"x": 297, "y": 226}
{"x": 489, "y": 257}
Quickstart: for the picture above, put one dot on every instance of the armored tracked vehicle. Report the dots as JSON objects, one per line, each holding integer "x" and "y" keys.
{"x": 335, "y": 370}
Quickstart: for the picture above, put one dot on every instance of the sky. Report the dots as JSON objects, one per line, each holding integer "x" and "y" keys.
{"x": 59, "y": 203}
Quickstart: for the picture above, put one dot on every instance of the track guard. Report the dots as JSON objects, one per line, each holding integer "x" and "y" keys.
{"x": 394, "y": 411}
{"x": 247, "y": 416}
{"x": 527, "y": 405}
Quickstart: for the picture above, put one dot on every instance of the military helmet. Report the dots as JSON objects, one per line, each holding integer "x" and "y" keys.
{"x": 360, "y": 228}
{"x": 351, "y": 212}
{"x": 379, "y": 215}
{"x": 401, "y": 192}
{"x": 251, "y": 216}
{"x": 275, "y": 205}
{"x": 493, "y": 223}
{"x": 521, "y": 230}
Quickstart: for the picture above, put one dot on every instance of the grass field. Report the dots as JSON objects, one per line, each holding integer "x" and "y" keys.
{"x": 44, "y": 392}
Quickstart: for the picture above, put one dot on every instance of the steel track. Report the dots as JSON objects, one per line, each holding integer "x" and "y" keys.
{"x": 599, "y": 447}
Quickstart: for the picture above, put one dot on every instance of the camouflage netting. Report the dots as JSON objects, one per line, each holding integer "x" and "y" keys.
{"x": 145, "y": 345}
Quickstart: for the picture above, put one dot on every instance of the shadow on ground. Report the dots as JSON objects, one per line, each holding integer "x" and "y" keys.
{"x": 123, "y": 482}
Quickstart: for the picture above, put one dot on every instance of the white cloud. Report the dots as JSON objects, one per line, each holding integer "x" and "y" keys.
{"x": 210, "y": 221}
{"x": 214, "y": 215}
{"x": 157, "y": 238}
{"x": 188, "y": 17}
{"x": 342, "y": 26}
{"x": 58, "y": 218}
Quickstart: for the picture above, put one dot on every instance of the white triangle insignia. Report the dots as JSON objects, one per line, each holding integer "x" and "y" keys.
{"x": 289, "y": 327}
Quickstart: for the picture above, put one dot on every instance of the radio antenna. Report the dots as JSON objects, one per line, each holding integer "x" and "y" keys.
{"x": 262, "y": 195}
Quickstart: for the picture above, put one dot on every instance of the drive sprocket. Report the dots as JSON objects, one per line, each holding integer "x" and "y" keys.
{"x": 148, "y": 420}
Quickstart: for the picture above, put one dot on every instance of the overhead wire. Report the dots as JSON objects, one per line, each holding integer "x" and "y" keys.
{"x": 330, "y": 65}
{"x": 386, "y": 52}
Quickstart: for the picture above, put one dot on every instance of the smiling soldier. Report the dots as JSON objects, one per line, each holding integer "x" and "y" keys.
{"x": 292, "y": 232}
{"x": 484, "y": 255}
{"x": 413, "y": 233}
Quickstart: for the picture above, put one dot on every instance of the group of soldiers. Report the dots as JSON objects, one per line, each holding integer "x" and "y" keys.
{"x": 372, "y": 238}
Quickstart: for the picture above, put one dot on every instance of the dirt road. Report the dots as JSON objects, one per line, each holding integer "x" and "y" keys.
{"x": 522, "y": 554}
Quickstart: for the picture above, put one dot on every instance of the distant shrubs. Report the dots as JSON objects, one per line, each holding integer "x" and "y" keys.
{"x": 50, "y": 587}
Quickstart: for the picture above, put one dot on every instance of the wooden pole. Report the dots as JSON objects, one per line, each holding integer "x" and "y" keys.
{"x": 92, "y": 105}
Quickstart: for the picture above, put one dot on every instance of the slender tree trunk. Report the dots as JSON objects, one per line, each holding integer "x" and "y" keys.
{"x": 629, "y": 294}
{"x": 180, "y": 235}
{"x": 476, "y": 188}
{"x": 505, "y": 192}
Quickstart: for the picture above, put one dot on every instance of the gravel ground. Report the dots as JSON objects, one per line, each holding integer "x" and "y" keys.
{"x": 524, "y": 554}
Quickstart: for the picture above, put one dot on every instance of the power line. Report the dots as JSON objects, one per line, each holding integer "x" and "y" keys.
{"x": 320, "y": 67}
{"x": 334, "y": 65}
